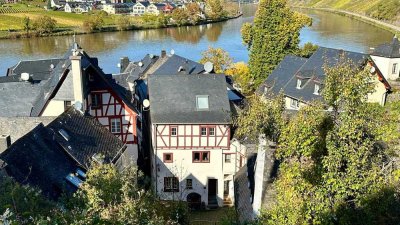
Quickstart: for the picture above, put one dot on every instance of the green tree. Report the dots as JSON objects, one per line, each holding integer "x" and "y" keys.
{"x": 215, "y": 9}
{"x": 93, "y": 22}
{"x": 219, "y": 57}
{"x": 194, "y": 11}
{"x": 307, "y": 50}
{"x": 27, "y": 24}
{"x": 274, "y": 34}
{"x": 241, "y": 74}
{"x": 123, "y": 23}
{"x": 261, "y": 116}
{"x": 334, "y": 169}
{"x": 44, "y": 25}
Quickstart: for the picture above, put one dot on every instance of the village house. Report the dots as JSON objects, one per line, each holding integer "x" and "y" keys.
{"x": 75, "y": 7}
{"x": 55, "y": 157}
{"x": 301, "y": 80}
{"x": 118, "y": 8}
{"x": 78, "y": 80}
{"x": 140, "y": 8}
{"x": 387, "y": 59}
{"x": 193, "y": 157}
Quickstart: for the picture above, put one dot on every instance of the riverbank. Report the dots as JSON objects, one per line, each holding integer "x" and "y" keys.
{"x": 381, "y": 24}
{"x": 110, "y": 28}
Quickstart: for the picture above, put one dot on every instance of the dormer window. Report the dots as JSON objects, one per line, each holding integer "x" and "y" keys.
{"x": 316, "y": 89}
{"x": 298, "y": 86}
{"x": 202, "y": 102}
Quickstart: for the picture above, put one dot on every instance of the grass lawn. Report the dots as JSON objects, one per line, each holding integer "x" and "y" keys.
{"x": 210, "y": 217}
{"x": 10, "y": 22}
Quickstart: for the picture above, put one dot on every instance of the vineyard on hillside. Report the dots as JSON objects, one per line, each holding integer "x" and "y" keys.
{"x": 9, "y": 10}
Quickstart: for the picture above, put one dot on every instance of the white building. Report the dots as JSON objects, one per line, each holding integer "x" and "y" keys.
{"x": 387, "y": 58}
{"x": 140, "y": 8}
{"x": 118, "y": 8}
{"x": 193, "y": 157}
{"x": 74, "y": 7}
{"x": 301, "y": 80}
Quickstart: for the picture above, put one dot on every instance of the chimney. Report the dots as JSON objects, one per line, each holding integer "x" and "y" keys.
{"x": 163, "y": 53}
{"x": 77, "y": 77}
{"x": 5, "y": 142}
{"x": 124, "y": 62}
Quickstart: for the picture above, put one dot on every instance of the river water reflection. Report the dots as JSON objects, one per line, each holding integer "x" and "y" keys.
{"x": 329, "y": 30}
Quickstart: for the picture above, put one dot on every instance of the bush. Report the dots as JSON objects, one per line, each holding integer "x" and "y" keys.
{"x": 386, "y": 10}
{"x": 93, "y": 22}
{"x": 123, "y": 23}
{"x": 44, "y": 25}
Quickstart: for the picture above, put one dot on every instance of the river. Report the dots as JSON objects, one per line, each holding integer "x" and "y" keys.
{"x": 328, "y": 30}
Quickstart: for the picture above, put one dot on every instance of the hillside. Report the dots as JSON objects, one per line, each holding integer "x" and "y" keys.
{"x": 386, "y": 10}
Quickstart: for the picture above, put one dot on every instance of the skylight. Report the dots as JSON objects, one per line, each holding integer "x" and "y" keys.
{"x": 202, "y": 102}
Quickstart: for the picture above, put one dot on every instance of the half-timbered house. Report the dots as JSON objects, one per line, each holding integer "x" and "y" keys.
{"x": 193, "y": 157}
{"x": 76, "y": 79}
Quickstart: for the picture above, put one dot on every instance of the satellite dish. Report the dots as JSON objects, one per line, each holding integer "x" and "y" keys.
{"x": 119, "y": 65}
{"x": 146, "y": 103}
{"x": 78, "y": 105}
{"x": 25, "y": 76}
{"x": 172, "y": 52}
{"x": 372, "y": 70}
{"x": 208, "y": 67}
{"x": 52, "y": 66}
{"x": 140, "y": 64}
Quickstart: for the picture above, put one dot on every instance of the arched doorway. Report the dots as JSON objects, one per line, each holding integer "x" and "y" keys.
{"x": 194, "y": 200}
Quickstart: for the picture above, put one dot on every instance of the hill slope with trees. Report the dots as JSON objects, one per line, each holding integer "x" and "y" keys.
{"x": 386, "y": 10}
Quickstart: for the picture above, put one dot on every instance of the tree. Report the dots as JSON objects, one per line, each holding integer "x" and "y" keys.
{"x": 215, "y": 10}
{"x": 93, "y": 22}
{"x": 261, "y": 117}
{"x": 333, "y": 168}
{"x": 220, "y": 59}
{"x": 307, "y": 50}
{"x": 194, "y": 12}
{"x": 44, "y": 25}
{"x": 241, "y": 74}
{"x": 180, "y": 16}
{"x": 123, "y": 23}
{"x": 27, "y": 25}
{"x": 274, "y": 34}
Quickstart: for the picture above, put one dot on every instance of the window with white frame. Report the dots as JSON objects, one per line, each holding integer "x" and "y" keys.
{"x": 394, "y": 68}
{"x": 228, "y": 158}
{"x": 211, "y": 131}
{"x": 171, "y": 184}
{"x": 115, "y": 125}
{"x": 202, "y": 102}
{"x": 298, "y": 86}
{"x": 294, "y": 103}
{"x": 316, "y": 89}
{"x": 203, "y": 131}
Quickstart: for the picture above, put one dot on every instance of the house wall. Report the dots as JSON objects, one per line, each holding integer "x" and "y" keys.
{"x": 153, "y": 10}
{"x": 288, "y": 105}
{"x": 379, "y": 94}
{"x": 189, "y": 136}
{"x": 138, "y": 9}
{"x": 54, "y": 108}
{"x": 385, "y": 65}
{"x": 182, "y": 146}
{"x": 111, "y": 107}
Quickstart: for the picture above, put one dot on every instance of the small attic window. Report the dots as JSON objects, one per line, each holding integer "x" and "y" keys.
{"x": 202, "y": 102}
{"x": 64, "y": 134}
{"x": 316, "y": 89}
{"x": 298, "y": 86}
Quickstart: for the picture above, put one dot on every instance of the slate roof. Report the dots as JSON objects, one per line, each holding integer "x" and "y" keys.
{"x": 388, "y": 50}
{"x": 43, "y": 66}
{"x": 172, "y": 63}
{"x": 43, "y": 157}
{"x": 309, "y": 71}
{"x": 173, "y": 99}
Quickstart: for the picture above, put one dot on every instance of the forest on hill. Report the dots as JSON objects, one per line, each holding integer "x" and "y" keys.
{"x": 387, "y": 10}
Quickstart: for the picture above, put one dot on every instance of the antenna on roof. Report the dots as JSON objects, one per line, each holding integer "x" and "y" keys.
{"x": 172, "y": 52}
{"x": 208, "y": 67}
{"x": 140, "y": 64}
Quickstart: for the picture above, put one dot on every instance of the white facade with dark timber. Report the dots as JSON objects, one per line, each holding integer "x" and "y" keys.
{"x": 193, "y": 156}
